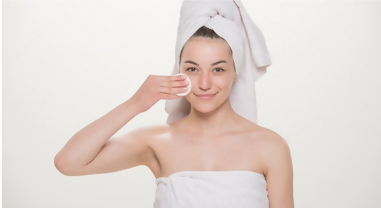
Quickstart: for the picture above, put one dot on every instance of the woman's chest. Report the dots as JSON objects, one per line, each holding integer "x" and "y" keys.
{"x": 180, "y": 152}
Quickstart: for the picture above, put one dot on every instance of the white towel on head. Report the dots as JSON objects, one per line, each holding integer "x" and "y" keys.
{"x": 229, "y": 19}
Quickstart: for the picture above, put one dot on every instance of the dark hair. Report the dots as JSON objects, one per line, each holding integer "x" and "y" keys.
{"x": 206, "y": 32}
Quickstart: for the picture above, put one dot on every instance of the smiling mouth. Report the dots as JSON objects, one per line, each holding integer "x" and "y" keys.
{"x": 207, "y": 96}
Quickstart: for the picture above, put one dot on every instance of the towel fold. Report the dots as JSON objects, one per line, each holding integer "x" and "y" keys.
{"x": 230, "y": 20}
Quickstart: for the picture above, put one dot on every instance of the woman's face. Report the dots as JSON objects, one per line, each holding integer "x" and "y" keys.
{"x": 210, "y": 68}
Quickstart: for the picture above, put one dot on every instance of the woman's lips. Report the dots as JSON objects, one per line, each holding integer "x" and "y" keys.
{"x": 205, "y": 96}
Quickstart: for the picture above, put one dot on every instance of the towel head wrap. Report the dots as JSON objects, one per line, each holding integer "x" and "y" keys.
{"x": 229, "y": 19}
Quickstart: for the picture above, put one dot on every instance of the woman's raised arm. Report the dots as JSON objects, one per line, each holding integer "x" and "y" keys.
{"x": 92, "y": 150}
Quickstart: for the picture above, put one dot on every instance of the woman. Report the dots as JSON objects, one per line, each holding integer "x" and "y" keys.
{"x": 212, "y": 157}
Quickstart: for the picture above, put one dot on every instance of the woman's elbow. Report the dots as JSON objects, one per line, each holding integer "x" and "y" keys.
{"x": 63, "y": 166}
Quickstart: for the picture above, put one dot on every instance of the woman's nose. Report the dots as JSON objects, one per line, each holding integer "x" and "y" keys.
{"x": 204, "y": 82}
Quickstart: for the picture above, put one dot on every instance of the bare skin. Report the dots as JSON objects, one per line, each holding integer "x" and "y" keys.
{"x": 211, "y": 138}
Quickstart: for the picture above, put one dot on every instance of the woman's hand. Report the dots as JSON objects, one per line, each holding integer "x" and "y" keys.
{"x": 157, "y": 87}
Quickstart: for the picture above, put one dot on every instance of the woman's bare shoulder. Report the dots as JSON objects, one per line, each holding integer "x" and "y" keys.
{"x": 274, "y": 148}
{"x": 262, "y": 132}
{"x": 268, "y": 140}
{"x": 269, "y": 137}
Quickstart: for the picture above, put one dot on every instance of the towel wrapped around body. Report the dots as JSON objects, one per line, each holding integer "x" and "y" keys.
{"x": 212, "y": 189}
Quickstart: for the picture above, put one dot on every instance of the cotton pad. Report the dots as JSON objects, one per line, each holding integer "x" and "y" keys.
{"x": 189, "y": 87}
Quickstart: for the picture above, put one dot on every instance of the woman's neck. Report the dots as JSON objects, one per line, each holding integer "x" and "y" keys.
{"x": 222, "y": 119}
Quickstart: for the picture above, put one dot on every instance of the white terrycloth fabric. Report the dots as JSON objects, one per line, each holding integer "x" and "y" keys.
{"x": 229, "y": 19}
{"x": 212, "y": 189}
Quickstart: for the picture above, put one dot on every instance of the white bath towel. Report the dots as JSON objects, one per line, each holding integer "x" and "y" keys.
{"x": 212, "y": 189}
{"x": 230, "y": 20}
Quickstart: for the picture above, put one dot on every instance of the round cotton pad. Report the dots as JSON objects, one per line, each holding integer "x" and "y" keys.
{"x": 189, "y": 85}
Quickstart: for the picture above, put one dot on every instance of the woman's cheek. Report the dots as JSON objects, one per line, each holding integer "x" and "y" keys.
{"x": 221, "y": 81}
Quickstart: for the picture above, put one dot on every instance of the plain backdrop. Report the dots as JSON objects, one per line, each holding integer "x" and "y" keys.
{"x": 67, "y": 63}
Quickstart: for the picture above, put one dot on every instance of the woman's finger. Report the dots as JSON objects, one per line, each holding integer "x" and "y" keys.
{"x": 164, "y": 78}
{"x": 175, "y": 84}
{"x": 172, "y": 90}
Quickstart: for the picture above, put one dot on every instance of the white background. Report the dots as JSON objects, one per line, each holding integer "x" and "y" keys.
{"x": 67, "y": 63}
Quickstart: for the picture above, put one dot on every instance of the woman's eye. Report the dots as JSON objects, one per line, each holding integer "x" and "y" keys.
{"x": 191, "y": 69}
{"x": 219, "y": 69}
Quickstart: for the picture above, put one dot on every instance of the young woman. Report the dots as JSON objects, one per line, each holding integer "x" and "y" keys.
{"x": 213, "y": 157}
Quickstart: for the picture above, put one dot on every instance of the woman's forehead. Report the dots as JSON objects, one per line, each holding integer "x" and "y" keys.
{"x": 207, "y": 48}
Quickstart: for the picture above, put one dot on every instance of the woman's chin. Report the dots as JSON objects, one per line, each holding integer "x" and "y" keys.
{"x": 204, "y": 108}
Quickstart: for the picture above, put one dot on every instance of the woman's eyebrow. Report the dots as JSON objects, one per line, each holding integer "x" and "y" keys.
{"x": 218, "y": 62}
{"x": 191, "y": 62}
